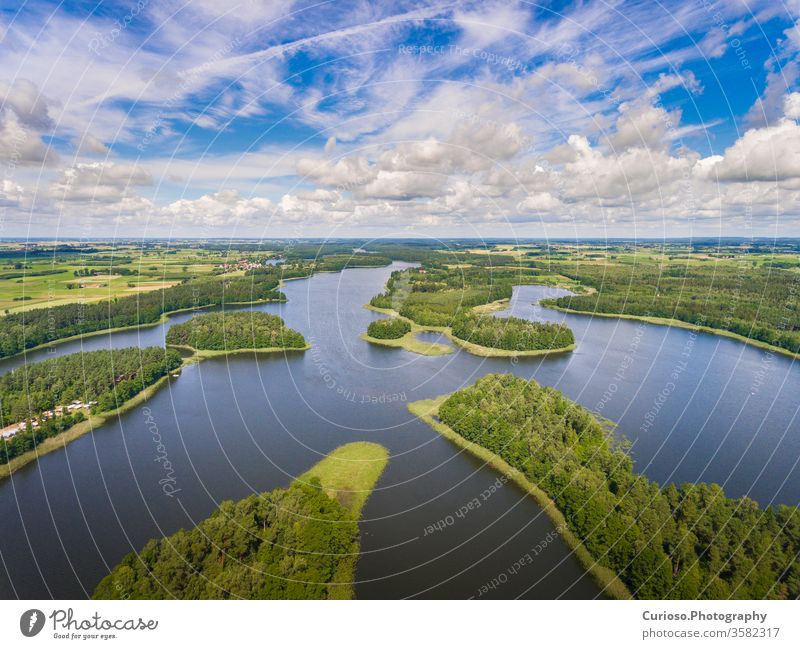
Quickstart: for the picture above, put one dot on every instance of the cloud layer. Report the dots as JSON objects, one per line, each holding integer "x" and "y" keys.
{"x": 423, "y": 118}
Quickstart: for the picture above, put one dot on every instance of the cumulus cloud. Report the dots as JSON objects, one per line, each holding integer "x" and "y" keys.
{"x": 10, "y": 194}
{"x": 99, "y": 182}
{"x": 770, "y": 153}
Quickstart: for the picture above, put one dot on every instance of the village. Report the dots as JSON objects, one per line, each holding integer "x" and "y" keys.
{"x": 246, "y": 264}
{"x": 20, "y": 427}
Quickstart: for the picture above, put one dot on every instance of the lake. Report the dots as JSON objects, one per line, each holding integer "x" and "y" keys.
{"x": 695, "y": 407}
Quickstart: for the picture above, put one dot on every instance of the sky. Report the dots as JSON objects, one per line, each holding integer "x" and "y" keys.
{"x": 339, "y": 118}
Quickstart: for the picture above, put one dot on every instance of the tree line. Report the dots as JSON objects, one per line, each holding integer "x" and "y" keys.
{"x": 684, "y": 542}
{"x": 235, "y": 330}
{"x": 758, "y": 302}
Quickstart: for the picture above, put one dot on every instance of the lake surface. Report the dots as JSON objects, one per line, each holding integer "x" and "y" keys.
{"x": 248, "y": 423}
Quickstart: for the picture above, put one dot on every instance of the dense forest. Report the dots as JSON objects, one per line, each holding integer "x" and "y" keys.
{"x": 28, "y": 329}
{"x": 108, "y": 377}
{"x": 388, "y": 329}
{"x": 511, "y": 333}
{"x": 756, "y": 301}
{"x": 285, "y": 544}
{"x": 235, "y": 330}
{"x": 684, "y": 542}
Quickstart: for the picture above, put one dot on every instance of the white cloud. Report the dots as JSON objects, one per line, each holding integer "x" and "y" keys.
{"x": 768, "y": 154}
{"x": 98, "y": 182}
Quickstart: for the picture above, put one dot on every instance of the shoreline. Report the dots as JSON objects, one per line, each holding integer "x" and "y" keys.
{"x": 679, "y": 324}
{"x": 608, "y": 581}
{"x": 472, "y": 348}
{"x": 60, "y": 441}
{"x": 410, "y": 343}
{"x": 201, "y": 354}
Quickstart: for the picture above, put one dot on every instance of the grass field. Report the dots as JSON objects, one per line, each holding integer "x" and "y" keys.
{"x": 30, "y": 281}
{"x": 350, "y": 472}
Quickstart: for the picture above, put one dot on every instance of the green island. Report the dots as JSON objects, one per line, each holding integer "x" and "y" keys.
{"x": 402, "y": 333}
{"x": 635, "y": 538}
{"x": 455, "y": 301}
{"x": 238, "y": 331}
{"x": 45, "y": 405}
{"x": 301, "y": 542}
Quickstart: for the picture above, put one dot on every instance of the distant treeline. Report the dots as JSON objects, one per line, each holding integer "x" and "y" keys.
{"x": 758, "y": 302}
{"x": 284, "y": 544}
{"x": 109, "y": 377}
{"x": 20, "y": 331}
{"x": 682, "y": 542}
{"x": 235, "y": 330}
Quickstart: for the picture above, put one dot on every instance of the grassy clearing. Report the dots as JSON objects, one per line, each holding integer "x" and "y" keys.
{"x": 427, "y": 410}
{"x": 350, "y": 472}
{"x": 410, "y": 343}
{"x": 349, "y": 475}
{"x": 199, "y": 354}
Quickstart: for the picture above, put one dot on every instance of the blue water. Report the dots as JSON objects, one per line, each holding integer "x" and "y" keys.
{"x": 247, "y": 423}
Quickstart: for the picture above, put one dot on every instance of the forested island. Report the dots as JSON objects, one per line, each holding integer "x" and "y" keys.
{"x": 40, "y": 401}
{"x": 676, "y": 542}
{"x": 444, "y": 298}
{"x": 301, "y": 542}
{"x": 388, "y": 329}
{"x": 237, "y": 330}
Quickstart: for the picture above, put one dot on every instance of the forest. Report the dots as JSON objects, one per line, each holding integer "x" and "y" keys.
{"x": 108, "y": 377}
{"x": 677, "y": 542}
{"x": 21, "y": 331}
{"x": 284, "y": 544}
{"x": 388, "y": 329}
{"x": 510, "y": 332}
{"x": 754, "y": 300}
{"x": 235, "y": 330}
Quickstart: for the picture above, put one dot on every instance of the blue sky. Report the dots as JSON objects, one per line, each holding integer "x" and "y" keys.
{"x": 496, "y": 119}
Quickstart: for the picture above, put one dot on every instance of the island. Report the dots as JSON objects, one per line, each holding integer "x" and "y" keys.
{"x": 213, "y": 334}
{"x": 634, "y": 537}
{"x": 401, "y": 332}
{"x": 456, "y": 302}
{"x": 301, "y": 542}
{"x": 48, "y": 404}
